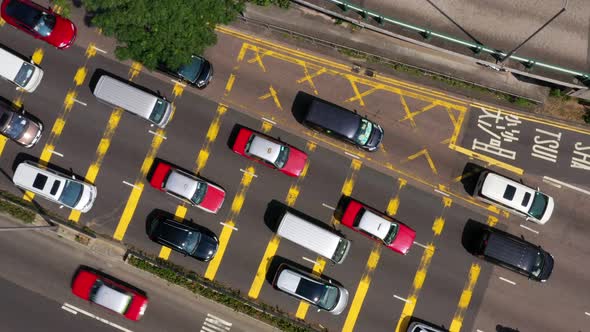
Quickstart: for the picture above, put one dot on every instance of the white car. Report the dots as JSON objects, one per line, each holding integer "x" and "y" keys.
{"x": 55, "y": 186}
{"x": 24, "y": 74}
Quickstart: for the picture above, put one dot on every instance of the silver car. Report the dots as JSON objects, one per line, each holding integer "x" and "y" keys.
{"x": 18, "y": 126}
{"x": 423, "y": 327}
{"x": 320, "y": 292}
{"x": 55, "y": 186}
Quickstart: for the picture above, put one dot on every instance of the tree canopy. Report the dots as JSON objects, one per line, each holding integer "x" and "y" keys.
{"x": 162, "y": 31}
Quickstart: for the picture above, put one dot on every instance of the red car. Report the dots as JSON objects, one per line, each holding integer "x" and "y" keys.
{"x": 270, "y": 152}
{"x": 187, "y": 187}
{"x": 108, "y": 293}
{"x": 378, "y": 226}
{"x": 40, "y": 22}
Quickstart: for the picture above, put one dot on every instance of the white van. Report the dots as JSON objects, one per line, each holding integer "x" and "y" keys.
{"x": 114, "y": 92}
{"x": 24, "y": 74}
{"x": 517, "y": 197}
{"x": 313, "y": 237}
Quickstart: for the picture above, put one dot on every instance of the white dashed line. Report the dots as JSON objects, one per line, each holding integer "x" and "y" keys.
{"x": 478, "y": 330}
{"x": 156, "y": 134}
{"x": 310, "y": 260}
{"x": 71, "y": 307}
{"x": 227, "y": 225}
{"x": 98, "y": 49}
{"x": 80, "y": 102}
{"x": 131, "y": 184}
{"x": 402, "y": 299}
{"x": 567, "y": 185}
{"x": 352, "y": 155}
{"x": 508, "y": 281}
{"x": 441, "y": 192}
{"x": 269, "y": 121}
{"x": 587, "y": 313}
{"x": 72, "y": 311}
{"x": 420, "y": 245}
{"x": 55, "y": 153}
{"x": 251, "y": 174}
{"x": 328, "y": 206}
{"x": 529, "y": 229}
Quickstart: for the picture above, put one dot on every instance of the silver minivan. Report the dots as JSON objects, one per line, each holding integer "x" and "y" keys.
{"x": 24, "y": 74}
{"x": 116, "y": 93}
{"x": 313, "y": 237}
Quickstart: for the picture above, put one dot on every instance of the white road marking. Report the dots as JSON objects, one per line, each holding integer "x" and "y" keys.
{"x": 587, "y": 313}
{"x": 244, "y": 171}
{"x": 72, "y": 311}
{"x": 552, "y": 183}
{"x": 508, "y": 281}
{"x": 310, "y": 260}
{"x": 56, "y": 153}
{"x": 567, "y": 185}
{"x": 215, "y": 324}
{"x": 328, "y": 206}
{"x": 441, "y": 192}
{"x": 131, "y": 184}
{"x": 478, "y": 330}
{"x": 352, "y": 155}
{"x": 420, "y": 245}
{"x": 402, "y": 299}
{"x": 270, "y": 121}
{"x": 155, "y": 133}
{"x": 179, "y": 83}
{"x": 227, "y": 225}
{"x": 80, "y": 102}
{"x": 98, "y": 49}
{"x": 71, "y": 307}
{"x": 529, "y": 229}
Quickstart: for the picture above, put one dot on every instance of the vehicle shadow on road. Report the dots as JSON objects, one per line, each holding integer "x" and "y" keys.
{"x": 470, "y": 239}
{"x": 469, "y": 177}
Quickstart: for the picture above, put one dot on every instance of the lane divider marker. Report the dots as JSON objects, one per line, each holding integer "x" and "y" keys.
{"x": 312, "y": 261}
{"x": 131, "y": 184}
{"x": 421, "y": 245}
{"x": 401, "y": 298}
{"x": 352, "y": 155}
{"x": 228, "y": 225}
{"x": 55, "y": 153}
{"x": 246, "y": 172}
{"x": 98, "y": 49}
{"x": 328, "y": 206}
{"x": 267, "y": 120}
{"x": 507, "y": 280}
{"x": 80, "y": 102}
{"x": 442, "y": 192}
{"x": 566, "y": 185}
{"x": 529, "y": 229}
{"x": 157, "y": 134}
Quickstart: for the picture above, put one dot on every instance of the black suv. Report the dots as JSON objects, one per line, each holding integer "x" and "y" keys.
{"x": 342, "y": 124}
{"x": 195, "y": 241}
{"x": 198, "y": 72}
{"x": 514, "y": 253}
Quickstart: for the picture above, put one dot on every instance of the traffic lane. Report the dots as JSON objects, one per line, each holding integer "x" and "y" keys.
{"x": 31, "y": 311}
{"x": 541, "y": 147}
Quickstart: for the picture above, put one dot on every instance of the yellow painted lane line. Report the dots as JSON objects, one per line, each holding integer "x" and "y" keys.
{"x": 465, "y": 298}
{"x": 484, "y": 158}
{"x": 2, "y": 22}
{"x": 355, "y": 166}
{"x": 37, "y": 56}
{"x": 128, "y": 211}
{"x": 412, "y": 298}
{"x": 134, "y": 70}
{"x": 212, "y": 132}
{"x": 3, "y": 140}
{"x": 318, "y": 268}
{"x": 394, "y": 201}
{"x": 80, "y": 76}
{"x": 230, "y": 222}
{"x": 178, "y": 216}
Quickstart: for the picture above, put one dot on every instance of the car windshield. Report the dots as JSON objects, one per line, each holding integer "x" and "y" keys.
{"x": 538, "y": 265}
{"x": 159, "y": 111}
{"x": 539, "y": 205}
{"x": 283, "y": 156}
{"x": 364, "y": 133}
{"x": 191, "y": 242}
{"x": 44, "y": 24}
{"x": 330, "y": 297}
{"x": 24, "y": 74}
{"x": 192, "y": 70}
{"x": 95, "y": 289}
{"x": 71, "y": 193}
{"x": 200, "y": 192}
{"x": 13, "y": 126}
{"x": 391, "y": 234}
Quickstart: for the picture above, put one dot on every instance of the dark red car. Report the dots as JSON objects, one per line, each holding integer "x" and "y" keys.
{"x": 187, "y": 187}
{"x": 106, "y": 292}
{"x": 270, "y": 152}
{"x": 378, "y": 226}
{"x": 40, "y": 22}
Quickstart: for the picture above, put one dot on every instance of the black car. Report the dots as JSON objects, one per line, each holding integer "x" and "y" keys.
{"x": 194, "y": 240}
{"x": 342, "y": 124}
{"x": 515, "y": 253}
{"x": 198, "y": 72}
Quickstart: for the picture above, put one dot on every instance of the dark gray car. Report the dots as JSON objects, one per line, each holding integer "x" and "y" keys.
{"x": 18, "y": 126}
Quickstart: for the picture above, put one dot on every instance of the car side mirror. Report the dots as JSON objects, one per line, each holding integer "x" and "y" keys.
{"x": 61, "y": 206}
{"x": 319, "y": 310}
{"x": 329, "y": 280}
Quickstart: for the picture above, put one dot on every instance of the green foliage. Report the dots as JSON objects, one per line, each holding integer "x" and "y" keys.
{"x": 167, "y": 31}
{"x": 16, "y": 211}
{"x": 63, "y": 7}
{"x": 278, "y": 3}
{"x": 586, "y": 116}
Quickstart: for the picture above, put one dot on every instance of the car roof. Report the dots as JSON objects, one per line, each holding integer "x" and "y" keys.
{"x": 374, "y": 224}
{"x": 10, "y": 64}
{"x": 38, "y": 179}
{"x": 264, "y": 148}
{"x": 191, "y": 70}
{"x": 173, "y": 232}
{"x": 334, "y": 118}
{"x": 508, "y": 192}
{"x": 181, "y": 183}
{"x": 113, "y": 299}
{"x": 511, "y": 250}
{"x": 22, "y": 11}
{"x": 295, "y": 282}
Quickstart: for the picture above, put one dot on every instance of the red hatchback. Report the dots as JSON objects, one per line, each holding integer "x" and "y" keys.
{"x": 40, "y": 22}
{"x": 378, "y": 226}
{"x": 187, "y": 187}
{"x": 108, "y": 293}
{"x": 270, "y": 152}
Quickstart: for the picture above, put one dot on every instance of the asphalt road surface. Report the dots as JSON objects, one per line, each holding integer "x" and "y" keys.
{"x": 415, "y": 176}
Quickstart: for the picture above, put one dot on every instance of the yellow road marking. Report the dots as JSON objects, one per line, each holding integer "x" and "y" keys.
{"x": 355, "y": 165}
{"x": 492, "y": 221}
{"x": 311, "y": 146}
{"x": 272, "y": 93}
{"x": 37, "y": 56}
{"x": 266, "y": 126}
{"x": 411, "y": 115}
{"x": 423, "y": 152}
{"x": 465, "y": 298}
{"x": 227, "y": 231}
{"x": 178, "y": 216}
{"x": 393, "y": 204}
{"x": 128, "y": 211}
{"x": 177, "y": 89}
{"x": 69, "y": 100}
{"x": 362, "y": 288}
{"x": 134, "y": 70}
{"x": 318, "y": 268}
{"x": 80, "y": 76}
{"x": 486, "y": 159}
{"x": 2, "y": 22}
{"x": 18, "y": 102}
{"x": 230, "y": 84}
{"x": 212, "y": 132}
{"x": 154, "y": 147}
{"x": 57, "y": 9}
{"x": 3, "y": 140}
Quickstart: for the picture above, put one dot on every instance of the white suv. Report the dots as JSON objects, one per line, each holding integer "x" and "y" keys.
{"x": 517, "y": 197}
{"x": 55, "y": 186}
{"x": 24, "y": 74}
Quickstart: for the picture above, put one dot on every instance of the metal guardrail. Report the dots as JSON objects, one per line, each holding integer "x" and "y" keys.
{"x": 582, "y": 76}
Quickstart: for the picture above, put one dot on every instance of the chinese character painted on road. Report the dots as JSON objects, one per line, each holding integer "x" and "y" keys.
{"x": 501, "y": 128}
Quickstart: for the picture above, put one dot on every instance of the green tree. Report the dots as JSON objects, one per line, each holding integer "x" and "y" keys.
{"x": 167, "y": 31}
